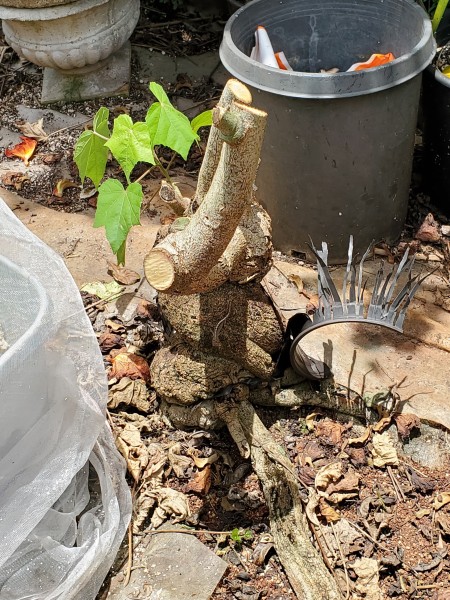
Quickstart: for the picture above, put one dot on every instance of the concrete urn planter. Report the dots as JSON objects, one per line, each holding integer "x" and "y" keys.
{"x": 82, "y": 44}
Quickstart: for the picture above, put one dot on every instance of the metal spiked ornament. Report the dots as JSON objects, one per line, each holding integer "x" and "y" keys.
{"x": 387, "y": 307}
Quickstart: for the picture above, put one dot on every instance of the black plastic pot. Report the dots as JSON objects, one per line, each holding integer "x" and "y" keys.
{"x": 337, "y": 155}
{"x": 436, "y": 128}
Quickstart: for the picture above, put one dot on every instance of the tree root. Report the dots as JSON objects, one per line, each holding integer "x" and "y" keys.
{"x": 304, "y": 567}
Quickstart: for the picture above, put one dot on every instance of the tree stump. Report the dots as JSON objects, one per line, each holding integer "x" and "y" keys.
{"x": 227, "y": 335}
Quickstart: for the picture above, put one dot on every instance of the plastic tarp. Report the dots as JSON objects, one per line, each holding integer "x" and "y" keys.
{"x": 64, "y": 501}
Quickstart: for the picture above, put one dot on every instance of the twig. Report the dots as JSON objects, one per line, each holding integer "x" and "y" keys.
{"x": 215, "y": 340}
{"x": 181, "y": 530}
{"x": 130, "y": 542}
{"x": 347, "y": 579}
{"x": 107, "y": 299}
{"x": 397, "y": 488}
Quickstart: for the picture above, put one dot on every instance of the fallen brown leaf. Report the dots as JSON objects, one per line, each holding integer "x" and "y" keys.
{"x": 123, "y": 275}
{"x": 15, "y": 178}
{"x": 131, "y": 447}
{"x": 382, "y": 424}
{"x": 297, "y": 281}
{"x": 428, "y": 230}
{"x": 24, "y": 150}
{"x": 51, "y": 158}
{"x": 331, "y": 430}
{"x": 127, "y": 364}
{"x": 406, "y": 423}
{"x": 326, "y": 475}
{"x": 362, "y": 439}
{"x": 200, "y": 462}
{"x": 347, "y": 487}
{"x": 383, "y": 451}
{"x": 129, "y": 392}
{"x": 178, "y": 460}
{"x": 62, "y": 185}
{"x": 328, "y": 512}
{"x": 107, "y": 341}
{"x": 33, "y": 130}
{"x": 441, "y": 500}
{"x": 170, "y": 503}
{"x": 201, "y": 482}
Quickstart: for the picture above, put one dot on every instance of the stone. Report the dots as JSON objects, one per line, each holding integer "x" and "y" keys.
{"x": 445, "y": 230}
{"x": 174, "y": 566}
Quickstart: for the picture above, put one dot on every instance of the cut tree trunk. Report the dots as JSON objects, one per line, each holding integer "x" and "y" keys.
{"x": 171, "y": 195}
{"x": 234, "y": 91}
{"x": 181, "y": 262}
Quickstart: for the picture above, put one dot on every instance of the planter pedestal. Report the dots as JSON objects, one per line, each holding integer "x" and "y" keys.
{"x": 83, "y": 45}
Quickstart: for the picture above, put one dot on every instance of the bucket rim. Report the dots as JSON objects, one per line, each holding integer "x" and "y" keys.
{"x": 325, "y": 85}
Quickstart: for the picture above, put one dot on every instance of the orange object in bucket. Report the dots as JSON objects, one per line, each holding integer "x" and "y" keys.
{"x": 376, "y": 60}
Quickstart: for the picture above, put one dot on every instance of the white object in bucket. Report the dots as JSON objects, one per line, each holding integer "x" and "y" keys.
{"x": 263, "y": 51}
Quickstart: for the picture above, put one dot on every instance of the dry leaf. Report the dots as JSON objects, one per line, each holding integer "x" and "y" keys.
{"x": 443, "y": 520}
{"x": 15, "y": 178}
{"x": 33, "y": 130}
{"x": 383, "y": 451}
{"x": 429, "y": 230}
{"x": 260, "y": 553}
{"x": 202, "y": 462}
{"x": 406, "y": 423}
{"x": 178, "y": 461}
{"x": 330, "y": 430}
{"x": 362, "y": 439}
{"x": 201, "y": 482}
{"x": 107, "y": 341}
{"x": 367, "y": 585}
{"x": 131, "y": 447}
{"x": 311, "y": 507}
{"x": 310, "y": 420}
{"x": 382, "y": 424}
{"x": 127, "y": 364}
{"x": 328, "y": 512}
{"x": 123, "y": 275}
{"x": 297, "y": 281}
{"x": 170, "y": 502}
{"x": 114, "y": 325}
{"x": 348, "y": 539}
{"x": 24, "y": 150}
{"x": 130, "y": 392}
{"x": 327, "y": 475}
{"x": 51, "y": 157}
{"x": 357, "y": 456}
{"x": 63, "y": 184}
{"x": 424, "y": 512}
{"x": 347, "y": 487}
{"x": 441, "y": 500}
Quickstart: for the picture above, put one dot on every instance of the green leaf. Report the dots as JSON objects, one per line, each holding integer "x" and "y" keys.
{"x": 235, "y": 535}
{"x": 167, "y": 125}
{"x": 90, "y": 152}
{"x": 204, "y": 119}
{"x": 130, "y": 143}
{"x": 118, "y": 209}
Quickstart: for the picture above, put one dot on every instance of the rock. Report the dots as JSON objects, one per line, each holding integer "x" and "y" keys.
{"x": 445, "y": 230}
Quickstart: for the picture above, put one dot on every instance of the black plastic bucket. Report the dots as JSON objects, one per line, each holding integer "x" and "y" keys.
{"x": 337, "y": 155}
{"x": 436, "y": 128}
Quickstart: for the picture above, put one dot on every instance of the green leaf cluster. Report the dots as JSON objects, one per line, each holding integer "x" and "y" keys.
{"x": 118, "y": 207}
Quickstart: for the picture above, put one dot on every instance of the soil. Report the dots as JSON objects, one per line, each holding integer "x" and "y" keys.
{"x": 400, "y": 527}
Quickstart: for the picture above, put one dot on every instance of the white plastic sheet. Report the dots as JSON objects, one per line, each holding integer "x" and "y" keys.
{"x": 64, "y": 501}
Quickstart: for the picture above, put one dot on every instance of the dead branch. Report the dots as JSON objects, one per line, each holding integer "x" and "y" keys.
{"x": 170, "y": 194}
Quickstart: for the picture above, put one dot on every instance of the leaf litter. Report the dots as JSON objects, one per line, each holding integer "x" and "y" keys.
{"x": 381, "y": 522}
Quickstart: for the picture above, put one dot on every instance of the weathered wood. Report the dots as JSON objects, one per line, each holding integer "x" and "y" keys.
{"x": 304, "y": 567}
{"x": 234, "y": 91}
{"x": 170, "y": 194}
{"x": 234, "y": 322}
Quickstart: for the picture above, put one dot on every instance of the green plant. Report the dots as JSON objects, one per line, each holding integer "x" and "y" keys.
{"x": 238, "y": 536}
{"x": 119, "y": 207}
{"x": 438, "y": 14}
